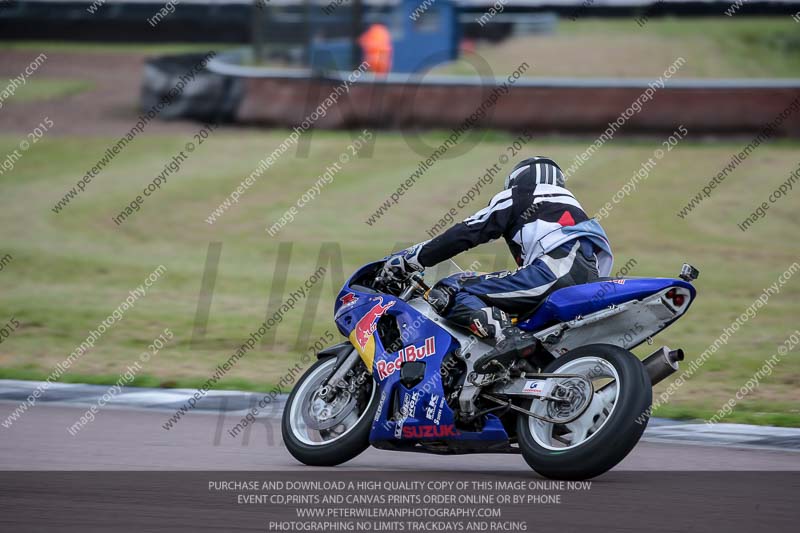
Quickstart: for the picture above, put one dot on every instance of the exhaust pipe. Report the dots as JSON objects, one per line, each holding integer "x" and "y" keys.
{"x": 662, "y": 363}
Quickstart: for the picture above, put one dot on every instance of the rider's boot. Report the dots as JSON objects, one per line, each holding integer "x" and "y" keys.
{"x": 512, "y": 343}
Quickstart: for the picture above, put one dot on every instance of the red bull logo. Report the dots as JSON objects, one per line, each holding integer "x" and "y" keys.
{"x": 348, "y": 299}
{"x": 366, "y": 326}
{"x": 409, "y": 353}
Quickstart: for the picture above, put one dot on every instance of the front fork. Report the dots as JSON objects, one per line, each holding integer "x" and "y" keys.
{"x": 336, "y": 380}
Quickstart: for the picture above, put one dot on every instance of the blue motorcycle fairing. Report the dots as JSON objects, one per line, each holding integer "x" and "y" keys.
{"x": 580, "y": 300}
{"x": 425, "y": 414}
{"x": 352, "y": 296}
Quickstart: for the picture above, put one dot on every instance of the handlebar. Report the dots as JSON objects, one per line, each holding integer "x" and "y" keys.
{"x": 404, "y": 288}
{"x": 416, "y": 278}
{"x": 416, "y": 283}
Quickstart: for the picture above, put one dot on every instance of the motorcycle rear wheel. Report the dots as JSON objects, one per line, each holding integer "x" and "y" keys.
{"x": 342, "y": 441}
{"x": 609, "y": 428}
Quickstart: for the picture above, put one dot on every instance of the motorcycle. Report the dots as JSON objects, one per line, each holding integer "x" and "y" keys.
{"x": 574, "y": 406}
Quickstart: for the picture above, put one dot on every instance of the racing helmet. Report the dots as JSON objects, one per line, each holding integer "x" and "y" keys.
{"x": 534, "y": 171}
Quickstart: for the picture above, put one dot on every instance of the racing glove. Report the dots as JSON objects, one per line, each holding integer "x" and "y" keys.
{"x": 400, "y": 264}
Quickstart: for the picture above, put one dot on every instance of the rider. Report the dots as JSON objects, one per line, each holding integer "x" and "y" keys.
{"x": 552, "y": 240}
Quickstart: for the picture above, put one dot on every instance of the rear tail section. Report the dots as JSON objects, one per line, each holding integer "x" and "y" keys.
{"x": 623, "y": 312}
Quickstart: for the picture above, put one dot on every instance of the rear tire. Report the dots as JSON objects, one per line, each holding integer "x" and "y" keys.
{"x": 343, "y": 448}
{"x": 618, "y": 432}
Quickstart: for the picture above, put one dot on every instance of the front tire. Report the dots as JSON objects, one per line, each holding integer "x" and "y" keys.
{"x": 339, "y": 443}
{"x": 606, "y": 432}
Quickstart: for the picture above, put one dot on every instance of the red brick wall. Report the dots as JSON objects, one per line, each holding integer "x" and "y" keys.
{"x": 587, "y": 110}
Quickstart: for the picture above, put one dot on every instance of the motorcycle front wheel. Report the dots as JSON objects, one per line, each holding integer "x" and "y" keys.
{"x": 609, "y": 428}
{"x": 327, "y": 433}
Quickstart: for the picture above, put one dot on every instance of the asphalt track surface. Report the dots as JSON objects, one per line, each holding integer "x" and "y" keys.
{"x": 124, "y": 439}
{"x": 124, "y": 472}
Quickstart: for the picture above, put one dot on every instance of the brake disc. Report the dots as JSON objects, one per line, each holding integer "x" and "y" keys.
{"x": 320, "y": 415}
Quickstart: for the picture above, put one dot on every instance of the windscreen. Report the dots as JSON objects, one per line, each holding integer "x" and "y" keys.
{"x": 441, "y": 271}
